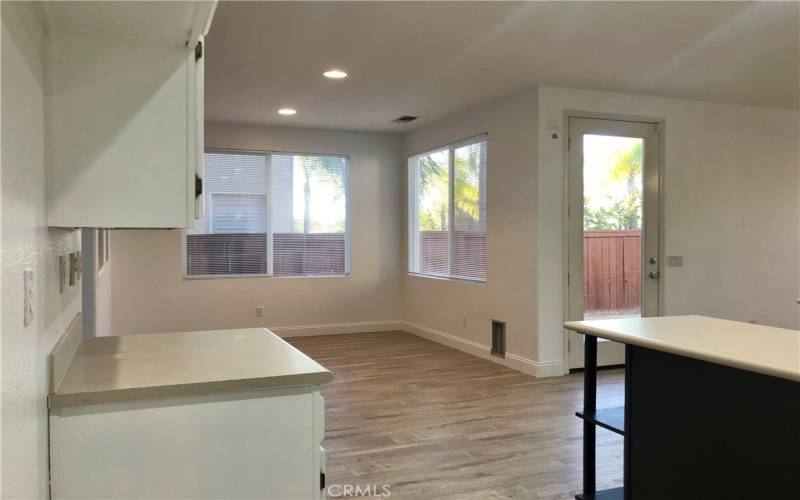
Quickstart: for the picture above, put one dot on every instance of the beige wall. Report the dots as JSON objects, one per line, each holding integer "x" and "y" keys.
{"x": 437, "y": 308}
{"x": 731, "y": 173}
{"x": 27, "y": 243}
{"x": 731, "y": 208}
{"x": 149, "y": 293}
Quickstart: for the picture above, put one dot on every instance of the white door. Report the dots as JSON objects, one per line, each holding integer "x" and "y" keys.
{"x": 613, "y": 225}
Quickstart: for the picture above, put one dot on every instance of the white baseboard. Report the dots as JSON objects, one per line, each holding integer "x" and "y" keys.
{"x": 513, "y": 361}
{"x": 336, "y": 328}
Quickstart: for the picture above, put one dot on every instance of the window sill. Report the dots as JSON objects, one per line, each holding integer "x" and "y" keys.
{"x": 448, "y": 278}
{"x": 263, "y": 276}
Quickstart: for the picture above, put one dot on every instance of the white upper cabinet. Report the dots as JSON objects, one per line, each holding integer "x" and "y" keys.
{"x": 124, "y": 113}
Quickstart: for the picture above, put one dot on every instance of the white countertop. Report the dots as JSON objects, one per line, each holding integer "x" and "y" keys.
{"x": 160, "y": 365}
{"x": 756, "y": 348}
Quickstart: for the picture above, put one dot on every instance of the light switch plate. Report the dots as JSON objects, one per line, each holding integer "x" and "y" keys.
{"x": 27, "y": 314}
{"x": 73, "y": 268}
{"x": 78, "y": 265}
{"x": 675, "y": 261}
{"x": 62, "y": 273}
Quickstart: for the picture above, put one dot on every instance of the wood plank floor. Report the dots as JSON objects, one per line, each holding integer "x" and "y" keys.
{"x": 431, "y": 422}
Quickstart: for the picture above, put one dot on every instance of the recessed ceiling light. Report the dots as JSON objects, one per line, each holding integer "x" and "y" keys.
{"x": 287, "y": 111}
{"x": 335, "y": 74}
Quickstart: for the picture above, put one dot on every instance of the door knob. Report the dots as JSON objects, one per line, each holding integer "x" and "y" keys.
{"x": 654, "y": 275}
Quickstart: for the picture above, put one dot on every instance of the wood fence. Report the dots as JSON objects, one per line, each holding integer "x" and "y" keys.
{"x": 612, "y": 260}
{"x": 611, "y": 270}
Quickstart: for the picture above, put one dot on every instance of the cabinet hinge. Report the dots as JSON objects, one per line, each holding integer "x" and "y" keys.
{"x": 567, "y": 279}
{"x": 198, "y": 185}
{"x": 322, "y": 480}
{"x": 569, "y": 345}
{"x": 658, "y": 128}
{"x": 198, "y": 50}
{"x": 569, "y": 143}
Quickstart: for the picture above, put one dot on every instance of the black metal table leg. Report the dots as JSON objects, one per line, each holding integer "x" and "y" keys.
{"x": 589, "y": 408}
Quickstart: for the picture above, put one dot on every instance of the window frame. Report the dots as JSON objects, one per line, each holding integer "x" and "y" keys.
{"x": 268, "y": 222}
{"x": 413, "y": 199}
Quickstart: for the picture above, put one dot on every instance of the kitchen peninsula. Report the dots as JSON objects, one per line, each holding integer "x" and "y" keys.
{"x": 212, "y": 414}
{"x": 711, "y": 408}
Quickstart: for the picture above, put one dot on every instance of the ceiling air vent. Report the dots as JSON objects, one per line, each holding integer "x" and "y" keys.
{"x": 405, "y": 119}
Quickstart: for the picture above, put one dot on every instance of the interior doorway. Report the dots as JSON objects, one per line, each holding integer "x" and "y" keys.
{"x": 613, "y": 226}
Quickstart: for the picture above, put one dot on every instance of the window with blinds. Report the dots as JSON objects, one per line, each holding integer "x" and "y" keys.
{"x": 271, "y": 214}
{"x": 447, "y": 211}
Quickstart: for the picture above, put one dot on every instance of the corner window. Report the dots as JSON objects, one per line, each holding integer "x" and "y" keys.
{"x": 447, "y": 211}
{"x": 271, "y": 214}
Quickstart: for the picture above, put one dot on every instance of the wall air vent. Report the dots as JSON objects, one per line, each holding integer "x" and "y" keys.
{"x": 405, "y": 119}
{"x": 498, "y": 338}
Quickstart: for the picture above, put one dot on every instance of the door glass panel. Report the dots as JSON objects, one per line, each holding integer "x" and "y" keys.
{"x": 612, "y": 226}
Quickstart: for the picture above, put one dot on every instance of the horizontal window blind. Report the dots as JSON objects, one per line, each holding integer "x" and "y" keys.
{"x": 231, "y": 238}
{"x": 447, "y": 216}
{"x": 278, "y": 214}
{"x": 310, "y": 225}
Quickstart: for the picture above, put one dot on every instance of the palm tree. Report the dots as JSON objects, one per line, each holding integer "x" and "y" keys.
{"x": 468, "y": 188}
{"x": 622, "y": 213}
{"x": 433, "y": 178}
{"x": 628, "y": 167}
{"x": 326, "y": 168}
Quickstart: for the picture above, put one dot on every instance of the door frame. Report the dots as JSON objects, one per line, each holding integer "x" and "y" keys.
{"x": 661, "y": 125}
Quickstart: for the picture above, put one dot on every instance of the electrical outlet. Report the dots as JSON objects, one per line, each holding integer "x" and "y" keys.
{"x": 260, "y": 312}
{"x": 27, "y": 313}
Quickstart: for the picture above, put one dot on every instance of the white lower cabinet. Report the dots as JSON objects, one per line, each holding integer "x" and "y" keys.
{"x": 254, "y": 444}
{"x": 323, "y": 472}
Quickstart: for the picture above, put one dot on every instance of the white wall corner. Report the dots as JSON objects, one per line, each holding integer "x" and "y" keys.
{"x": 537, "y": 369}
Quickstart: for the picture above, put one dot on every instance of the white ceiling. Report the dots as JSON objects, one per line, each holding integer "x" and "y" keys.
{"x": 171, "y": 21}
{"x": 432, "y": 59}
